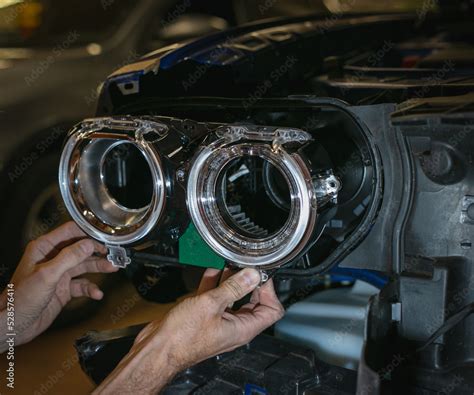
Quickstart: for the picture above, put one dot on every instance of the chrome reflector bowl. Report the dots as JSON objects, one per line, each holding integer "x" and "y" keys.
{"x": 111, "y": 178}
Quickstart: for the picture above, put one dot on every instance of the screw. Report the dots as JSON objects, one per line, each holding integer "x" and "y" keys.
{"x": 174, "y": 232}
{"x": 180, "y": 175}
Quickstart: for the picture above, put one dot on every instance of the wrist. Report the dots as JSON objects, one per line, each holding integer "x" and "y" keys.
{"x": 145, "y": 369}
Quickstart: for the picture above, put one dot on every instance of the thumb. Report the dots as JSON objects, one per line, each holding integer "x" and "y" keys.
{"x": 236, "y": 287}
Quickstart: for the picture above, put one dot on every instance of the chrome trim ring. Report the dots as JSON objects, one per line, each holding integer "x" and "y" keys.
{"x": 86, "y": 196}
{"x": 242, "y": 250}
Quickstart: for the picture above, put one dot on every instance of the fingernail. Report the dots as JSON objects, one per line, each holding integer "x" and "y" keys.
{"x": 251, "y": 277}
{"x": 100, "y": 295}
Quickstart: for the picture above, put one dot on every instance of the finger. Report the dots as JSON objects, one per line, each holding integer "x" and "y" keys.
{"x": 269, "y": 309}
{"x": 67, "y": 231}
{"x": 83, "y": 287}
{"x": 93, "y": 265}
{"x": 255, "y": 297}
{"x": 100, "y": 248}
{"x": 267, "y": 295}
{"x": 210, "y": 280}
{"x": 70, "y": 257}
{"x": 265, "y": 316}
{"x": 36, "y": 250}
{"x": 257, "y": 317}
{"x": 270, "y": 299}
{"x": 46, "y": 245}
{"x": 227, "y": 273}
{"x": 236, "y": 287}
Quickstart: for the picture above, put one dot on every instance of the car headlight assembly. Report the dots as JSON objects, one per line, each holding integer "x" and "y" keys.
{"x": 255, "y": 194}
{"x": 255, "y": 197}
{"x": 117, "y": 181}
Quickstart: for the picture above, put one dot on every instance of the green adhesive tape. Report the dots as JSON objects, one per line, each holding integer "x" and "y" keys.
{"x": 193, "y": 250}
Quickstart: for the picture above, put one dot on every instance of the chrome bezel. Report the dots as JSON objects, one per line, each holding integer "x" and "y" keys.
{"x": 273, "y": 250}
{"x": 86, "y": 197}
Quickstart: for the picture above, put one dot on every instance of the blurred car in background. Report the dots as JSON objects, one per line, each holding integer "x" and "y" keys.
{"x": 53, "y": 57}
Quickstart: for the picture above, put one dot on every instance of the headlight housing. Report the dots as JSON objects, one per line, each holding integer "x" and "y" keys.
{"x": 253, "y": 193}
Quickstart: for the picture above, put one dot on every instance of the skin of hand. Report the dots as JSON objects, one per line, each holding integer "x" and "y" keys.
{"x": 198, "y": 328}
{"x": 46, "y": 279}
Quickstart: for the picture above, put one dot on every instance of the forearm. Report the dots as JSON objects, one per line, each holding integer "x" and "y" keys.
{"x": 141, "y": 371}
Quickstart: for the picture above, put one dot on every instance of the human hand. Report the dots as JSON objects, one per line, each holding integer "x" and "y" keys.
{"x": 46, "y": 278}
{"x": 196, "y": 329}
{"x": 205, "y": 326}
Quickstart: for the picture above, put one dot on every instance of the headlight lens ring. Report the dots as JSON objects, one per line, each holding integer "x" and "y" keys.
{"x": 235, "y": 246}
{"x": 88, "y": 199}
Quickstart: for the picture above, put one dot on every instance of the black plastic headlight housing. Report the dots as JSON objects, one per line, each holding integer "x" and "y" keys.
{"x": 253, "y": 192}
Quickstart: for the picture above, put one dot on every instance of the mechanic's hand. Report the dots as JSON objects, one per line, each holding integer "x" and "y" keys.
{"x": 196, "y": 329}
{"x": 204, "y": 326}
{"x": 46, "y": 278}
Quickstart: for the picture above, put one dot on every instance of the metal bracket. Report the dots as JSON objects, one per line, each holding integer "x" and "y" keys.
{"x": 326, "y": 187}
{"x": 266, "y": 275}
{"x": 278, "y": 137}
{"x": 118, "y": 256}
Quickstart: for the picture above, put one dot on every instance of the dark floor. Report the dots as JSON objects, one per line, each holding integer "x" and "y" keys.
{"x": 49, "y": 365}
